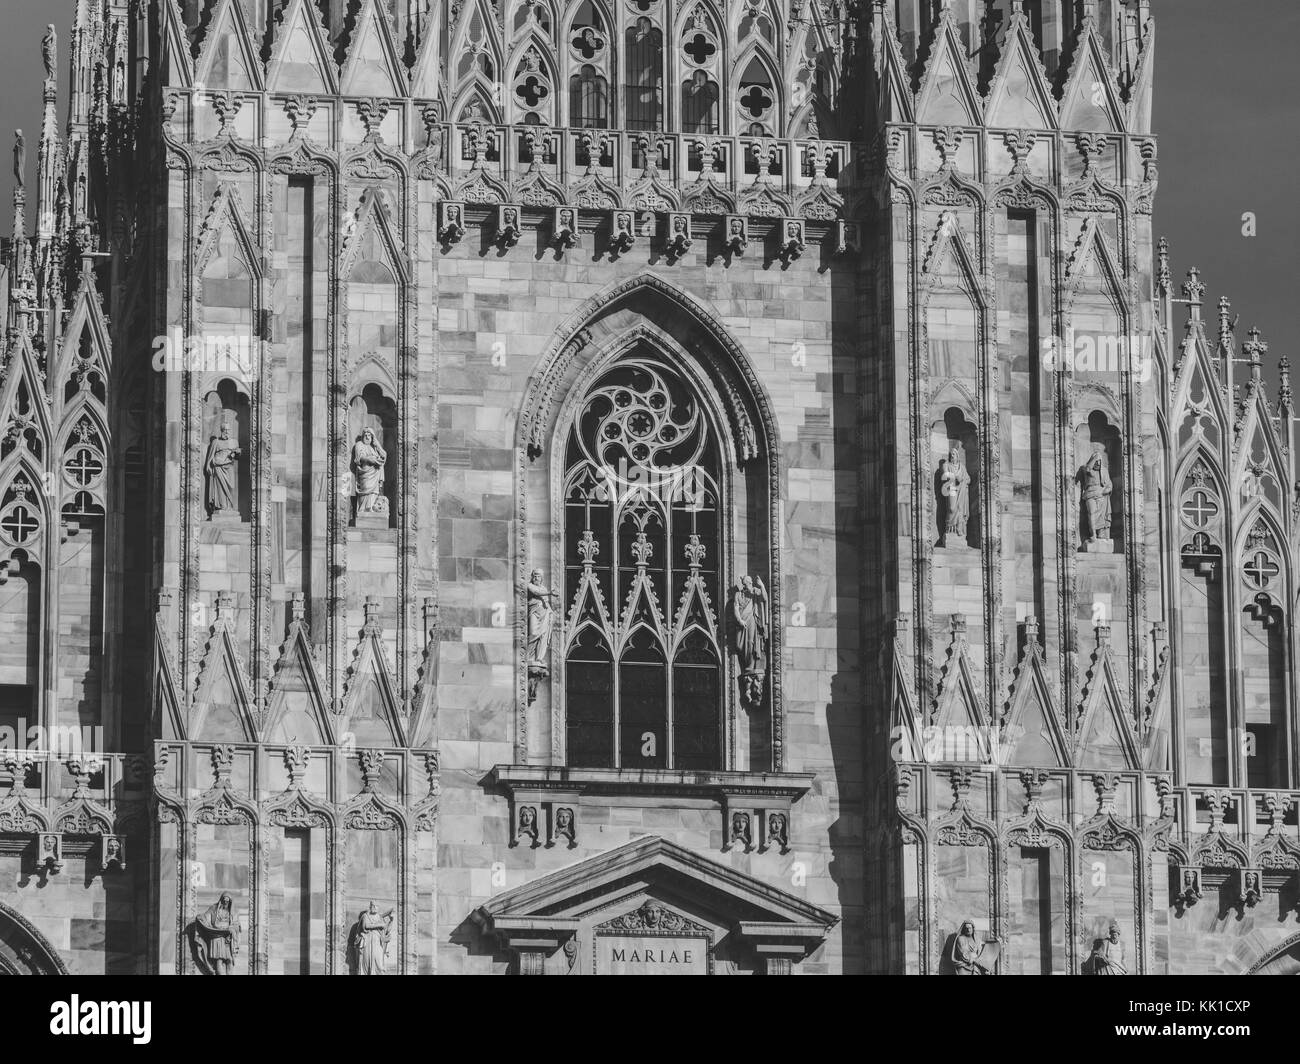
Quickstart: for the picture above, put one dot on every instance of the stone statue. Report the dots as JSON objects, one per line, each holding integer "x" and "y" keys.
{"x": 370, "y": 937}
{"x": 222, "y": 469}
{"x": 751, "y": 632}
{"x": 541, "y": 619}
{"x": 1095, "y": 484}
{"x": 20, "y": 159}
{"x": 1108, "y": 954}
{"x": 956, "y": 491}
{"x": 217, "y": 936}
{"x": 368, "y": 461}
{"x": 969, "y": 956}
{"x": 47, "y": 51}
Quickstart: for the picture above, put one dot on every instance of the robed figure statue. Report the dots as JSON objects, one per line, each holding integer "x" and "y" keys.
{"x": 750, "y": 635}
{"x": 1095, "y": 484}
{"x": 370, "y": 938}
{"x": 541, "y": 619}
{"x": 368, "y": 461}
{"x": 221, "y": 465}
{"x": 1108, "y": 954}
{"x": 216, "y": 934}
{"x": 969, "y": 956}
{"x": 956, "y": 495}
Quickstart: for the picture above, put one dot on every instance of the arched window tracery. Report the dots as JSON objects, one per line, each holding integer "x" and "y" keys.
{"x": 643, "y": 554}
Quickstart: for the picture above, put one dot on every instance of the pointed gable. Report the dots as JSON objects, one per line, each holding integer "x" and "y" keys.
{"x": 372, "y": 67}
{"x": 1105, "y": 735}
{"x": 300, "y": 58}
{"x": 223, "y": 709}
{"x": 297, "y": 712}
{"x": 947, "y": 96}
{"x": 227, "y": 59}
{"x": 1019, "y": 95}
{"x": 1089, "y": 102}
{"x": 1033, "y": 735}
{"x": 372, "y": 713}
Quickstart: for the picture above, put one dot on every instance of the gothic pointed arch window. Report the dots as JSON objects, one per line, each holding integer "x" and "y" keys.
{"x": 756, "y": 99}
{"x": 644, "y": 556}
{"x": 643, "y": 99}
{"x": 588, "y": 44}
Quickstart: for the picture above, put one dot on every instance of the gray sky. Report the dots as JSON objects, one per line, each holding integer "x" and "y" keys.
{"x": 1225, "y": 116}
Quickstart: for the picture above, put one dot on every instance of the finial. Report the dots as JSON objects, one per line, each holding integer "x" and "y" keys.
{"x": 1284, "y": 388}
{"x": 1255, "y": 349}
{"x": 297, "y": 607}
{"x": 1162, "y": 272}
{"x": 1225, "y": 324}
{"x": 1194, "y": 289}
{"x": 1031, "y": 629}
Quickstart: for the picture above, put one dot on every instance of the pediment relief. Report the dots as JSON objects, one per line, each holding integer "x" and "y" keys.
{"x": 652, "y": 907}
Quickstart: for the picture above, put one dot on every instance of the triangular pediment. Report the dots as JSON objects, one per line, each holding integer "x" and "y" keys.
{"x": 669, "y": 871}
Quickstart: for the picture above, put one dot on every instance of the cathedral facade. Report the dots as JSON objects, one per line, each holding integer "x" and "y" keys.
{"x": 655, "y": 486}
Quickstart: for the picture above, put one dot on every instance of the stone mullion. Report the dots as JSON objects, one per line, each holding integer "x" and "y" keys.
{"x": 191, "y": 480}
{"x": 990, "y": 445}
{"x": 408, "y": 425}
{"x": 259, "y": 642}
{"x": 336, "y": 451}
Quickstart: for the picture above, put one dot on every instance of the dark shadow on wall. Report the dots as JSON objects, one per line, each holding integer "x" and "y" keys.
{"x": 845, "y": 719}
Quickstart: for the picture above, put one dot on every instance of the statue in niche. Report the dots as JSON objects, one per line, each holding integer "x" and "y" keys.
{"x": 969, "y": 956}
{"x": 740, "y": 832}
{"x": 216, "y": 933}
{"x": 1095, "y": 487}
{"x": 778, "y": 831}
{"x": 1108, "y": 954}
{"x": 541, "y": 622}
{"x": 527, "y": 825}
{"x": 221, "y": 467}
{"x": 955, "y": 481}
{"x": 1251, "y": 891}
{"x": 749, "y": 615}
{"x": 370, "y": 937}
{"x": 368, "y": 461}
{"x": 564, "y": 829}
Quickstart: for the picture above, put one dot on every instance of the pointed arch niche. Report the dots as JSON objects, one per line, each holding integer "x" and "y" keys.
{"x": 648, "y": 492}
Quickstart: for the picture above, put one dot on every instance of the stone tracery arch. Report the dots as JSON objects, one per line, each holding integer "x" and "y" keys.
{"x": 647, "y": 314}
{"x": 23, "y": 949}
